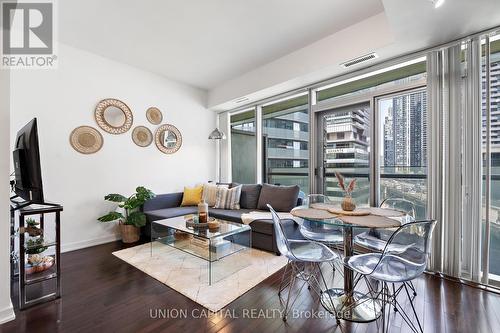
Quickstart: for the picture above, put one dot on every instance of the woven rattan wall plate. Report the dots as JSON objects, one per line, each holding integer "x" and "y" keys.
{"x": 86, "y": 140}
{"x": 110, "y": 108}
{"x": 168, "y": 139}
{"x": 142, "y": 136}
{"x": 154, "y": 115}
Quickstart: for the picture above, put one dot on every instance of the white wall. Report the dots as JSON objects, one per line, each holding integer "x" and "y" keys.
{"x": 65, "y": 98}
{"x": 6, "y": 312}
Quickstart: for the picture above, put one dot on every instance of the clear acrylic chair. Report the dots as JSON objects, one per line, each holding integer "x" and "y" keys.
{"x": 304, "y": 263}
{"x": 403, "y": 259}
{"x": 376, "y": 239}
{"x": 321, "y": 232}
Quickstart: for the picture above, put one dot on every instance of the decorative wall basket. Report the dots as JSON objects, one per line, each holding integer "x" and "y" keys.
{"x": 86, "y": 140}
{"x": 168, "y": 139}
{"x": 154, "y": 115}
{"x": 142, "y": 136}
{"x": 113, "y": 116}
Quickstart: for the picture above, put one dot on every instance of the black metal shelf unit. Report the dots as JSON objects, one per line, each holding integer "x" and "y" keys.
{"x": 18, "y": 258}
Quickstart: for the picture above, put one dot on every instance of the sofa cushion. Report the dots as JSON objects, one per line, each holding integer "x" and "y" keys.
{"x": 166, "y": 213}
{"x": 228, "y": 198}
{"x": 250, "y": 196}
{"x": 210, "y": 193}
{"x": 266, "y": 226}
{"x": 192, "y": 196}
{"x": 228, "y": 214}
{"x": 281, "y": 198}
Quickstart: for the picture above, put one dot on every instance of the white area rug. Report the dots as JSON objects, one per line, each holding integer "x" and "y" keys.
{"x": 188, "y": 275}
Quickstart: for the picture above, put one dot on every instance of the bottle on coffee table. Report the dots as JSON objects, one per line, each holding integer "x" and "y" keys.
{"x": 203, "y": 211}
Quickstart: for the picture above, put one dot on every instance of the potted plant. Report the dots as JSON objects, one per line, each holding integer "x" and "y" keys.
{"x": 33, "y": 228}
{"x": 348, "y": 203}
{"x": 131, "y": 219}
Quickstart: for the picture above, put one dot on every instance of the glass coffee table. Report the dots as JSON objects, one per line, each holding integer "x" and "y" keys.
{"x": 210, "y": 245}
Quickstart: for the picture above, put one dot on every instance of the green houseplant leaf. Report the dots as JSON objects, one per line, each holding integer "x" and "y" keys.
{"x": 113, "y": 197}
{"x": 137, "y": 219}
{"x": 111, "y": 216}
{"x": 143, "y": 194}
{"x": 132, "y": 215}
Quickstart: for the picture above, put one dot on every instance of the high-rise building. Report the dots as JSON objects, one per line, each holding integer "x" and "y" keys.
{"x": 401, "y": 130}
{"x": 347, "y": 140}
{"x": 388, "y": 139}
{"x": 418, "y": 128}
{"x": 286, "y": 147}
{"x": 405, "y": 131}
{"x": 495, "y": 109}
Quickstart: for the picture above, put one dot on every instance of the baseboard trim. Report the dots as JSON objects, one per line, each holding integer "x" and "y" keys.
{"x": 88, "y": 243}
{"x": 7, "y": 314}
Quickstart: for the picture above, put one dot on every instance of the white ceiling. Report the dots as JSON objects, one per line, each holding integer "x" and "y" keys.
{"x": 230, "y": 47}
{"x": 203, "y": 42}
{"x": 413, "y": 25}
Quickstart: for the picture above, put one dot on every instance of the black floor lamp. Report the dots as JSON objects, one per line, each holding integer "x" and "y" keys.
{"x": 218, "y": 135}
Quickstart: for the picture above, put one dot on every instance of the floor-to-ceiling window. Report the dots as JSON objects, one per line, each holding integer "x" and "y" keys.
{"x": 285, "y": 141}
{"x": 402, "y": 148}
{"x": 390, "y": 101}
{"x": 374, "y": 129}
{"x": 243, "y": 147}
{"x": 491, "y": 154}
{"x": 344, "y": 135}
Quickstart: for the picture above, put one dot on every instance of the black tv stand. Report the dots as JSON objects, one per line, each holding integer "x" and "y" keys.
{"x": 24, "y": 209}
{"x": 18, "y": 204}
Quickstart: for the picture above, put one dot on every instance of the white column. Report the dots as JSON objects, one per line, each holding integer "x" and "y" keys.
{"x": 435, "y": 155}
{"x": 6, "y": 311}
{"x": 225, "y": 146}
{"x": 258, "y": 134}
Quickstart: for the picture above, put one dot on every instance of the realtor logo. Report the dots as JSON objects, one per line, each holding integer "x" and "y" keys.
{"x": 28, "y": 34}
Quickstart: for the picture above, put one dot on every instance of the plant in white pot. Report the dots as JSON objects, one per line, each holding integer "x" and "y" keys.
{"x": 131, "y": 219}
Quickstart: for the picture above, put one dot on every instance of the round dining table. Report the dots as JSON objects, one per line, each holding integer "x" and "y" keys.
{"x": 349, "y": 304}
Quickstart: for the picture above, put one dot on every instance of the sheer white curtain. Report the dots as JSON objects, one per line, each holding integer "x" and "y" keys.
{"x": 454, "y": 140}
{"x": 445, "y": 202}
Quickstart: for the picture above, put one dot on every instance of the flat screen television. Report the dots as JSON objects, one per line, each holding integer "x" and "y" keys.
{"x": 28, "y": 173}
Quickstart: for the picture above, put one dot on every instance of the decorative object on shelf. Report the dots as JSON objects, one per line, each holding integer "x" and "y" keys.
{"x": 218, "y": 135}
{"x": 348, "y": 203}
{"x": 168, "y": 139}
{"x": 179, "y": 235}
{"x": 38, "y": 263}
{"x": 132, "y": 219}
{"x": 33, "y": 228}
{"x": 142, "y": 136}
{"x": 35, "y": 245}
{"x": 86, "y": 140}
{"x": 113, "y": 116}
{"x": 154, "y": 115}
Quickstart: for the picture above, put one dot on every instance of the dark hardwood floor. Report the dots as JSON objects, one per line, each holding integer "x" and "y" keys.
{"x": 101, "y": 293}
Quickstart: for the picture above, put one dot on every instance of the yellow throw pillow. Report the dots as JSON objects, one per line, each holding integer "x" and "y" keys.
{"x": 192, "y": 196}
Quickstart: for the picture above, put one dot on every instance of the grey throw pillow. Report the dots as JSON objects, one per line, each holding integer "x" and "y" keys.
{"x": 250, "y": 196}
{"x": 281, "y": 198}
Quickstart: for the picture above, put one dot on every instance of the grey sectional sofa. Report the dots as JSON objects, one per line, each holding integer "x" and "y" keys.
{"x": 168, "y": 205}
